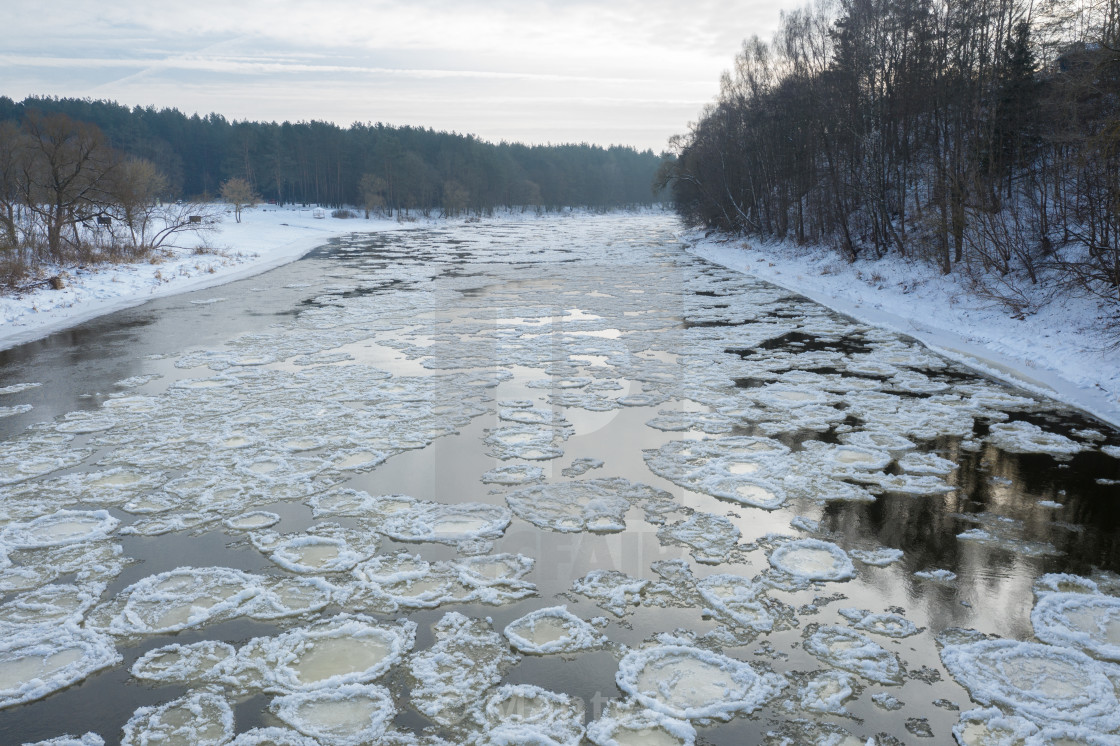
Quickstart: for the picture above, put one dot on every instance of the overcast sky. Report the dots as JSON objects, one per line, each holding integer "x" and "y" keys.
{"x": 632, "y": 72}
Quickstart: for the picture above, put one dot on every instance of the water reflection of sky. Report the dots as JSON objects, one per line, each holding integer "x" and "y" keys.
{"x": 513, "y": 312}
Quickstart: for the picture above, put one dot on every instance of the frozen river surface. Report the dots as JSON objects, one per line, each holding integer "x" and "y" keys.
{"x": 542, "y": 481}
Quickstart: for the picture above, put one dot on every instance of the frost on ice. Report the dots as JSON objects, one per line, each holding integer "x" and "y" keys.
{"x": 692, "y": 683}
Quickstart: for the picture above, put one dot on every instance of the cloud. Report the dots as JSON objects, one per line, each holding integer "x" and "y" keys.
{"x": 635, "y": 64}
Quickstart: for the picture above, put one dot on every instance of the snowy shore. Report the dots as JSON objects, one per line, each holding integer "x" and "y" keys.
{"x": 266, "y": 237}
{"x": 1065, "y": 351}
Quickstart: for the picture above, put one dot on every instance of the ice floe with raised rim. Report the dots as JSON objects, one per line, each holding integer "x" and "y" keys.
{"x": 308, "y": 553}
{"x": 553, "y": 629}
{"x": 51, "y": 604}
{"x": 1041, "y": 683}
{"x": 692, "y": 683}
{"x": 612, "y": 590}
{"x": 347, "y": 715}
{"x": 1025, "y": 437}
{"x": 177, "y": 663}
{"x": 1090, "y": 623}
{"x": 737, "y": 599}
{"x": 523, "y": 714}
{"x": 86, "y": 739}
{"x": 60, "y": 528}
{"x": 624, "y": 723}
{"x": 857, "y": 653}
{"x": 812, "y": 559}
{"x": 345, "y": 649}
{"x": 597, "y": 505}
{"x": 184, "y": 598}
{"x": 886, "y": 624}
{"x": 273, "y": 736}
{"x": 446, "y": 524}
{"x": 527, "y": 442}
{"x": 876, "y": 557}
{"x": 198, "y": 718}
{"x": 467, "y": 658}
{"x": 514, "y": 474}
{"x": 827, "y": 691}
{"x": 710, "y": 537}
{"x": 38, "y": 660}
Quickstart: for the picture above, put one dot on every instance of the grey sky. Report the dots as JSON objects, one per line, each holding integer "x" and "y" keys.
{"x": 632, "y": 72}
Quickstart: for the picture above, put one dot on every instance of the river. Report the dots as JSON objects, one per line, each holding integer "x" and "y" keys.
{"x": 345, "y": 497}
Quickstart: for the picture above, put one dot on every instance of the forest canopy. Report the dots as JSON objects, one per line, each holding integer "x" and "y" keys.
{"x": 981, "y": 135}
{"x": 403, "y": 168}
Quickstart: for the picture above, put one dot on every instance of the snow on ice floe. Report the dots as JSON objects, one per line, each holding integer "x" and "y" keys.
{"x": 447, "y": 524}
{"x": 624, "y": 723}
{"x": 327, "y": 654}
{"x": 738, "y": 600}
{"x": 514, "y": 474}
{"x": 347, "y": 715}
{"x": 1090, "y": 623}
{"x": 59, "y": 529}
{"x": 851, "y": 651}
{"x": 691, "y": 683}
{"x": 1060, "y": 582}
{"x": 1025, "y": 437}
{"x": 523, "y": 714}
{"x": 826, "y": 692}
{"x": 51, "y": 604}
{"x": 308, "y": 553}
{"x": 86, "y": 739}
{"x": 188, "y": 597}
{"x": 38, "y": 660}
{"x": 407, "y": 581}
{"x": 253, "y": 520}
{"x": 876, "y": 557}
{"x": 552, "y": 630}
{"x": 710, "y": 537}
{"x": 812, "y": 559}
{"x": 527, "y": 442}
{"x": 612, "y": 590}
{"x": 598, "y": 505}
{"x": 273, "y": 736}
{"x": 888, "y": 625}
{"x": 199, "y": 718}
{"x": 1042, "y": 683}
{"x": 451, "y": 676}
{"x": 183, "y": 664}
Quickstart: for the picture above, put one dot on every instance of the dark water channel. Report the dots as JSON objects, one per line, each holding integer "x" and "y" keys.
{"x": 417, "y": 363}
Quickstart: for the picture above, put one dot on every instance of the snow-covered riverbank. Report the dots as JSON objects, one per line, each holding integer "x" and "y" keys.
{"x": 266, "y": 237}
{"x": 1064, "y": 351}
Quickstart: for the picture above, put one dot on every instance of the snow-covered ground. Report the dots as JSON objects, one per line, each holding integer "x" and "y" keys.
{"x": 266, "y": 237}
{"x": 1064, "y": 351}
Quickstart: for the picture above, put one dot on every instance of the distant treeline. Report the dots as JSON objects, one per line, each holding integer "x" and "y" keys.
{"x": 983, "y": 135}
{"x": 393, "y": 169}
